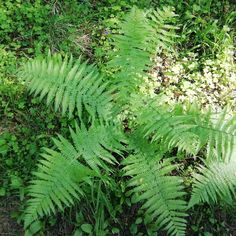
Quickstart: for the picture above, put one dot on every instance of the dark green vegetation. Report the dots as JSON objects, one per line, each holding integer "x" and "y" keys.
{"x": 84, "y": 151}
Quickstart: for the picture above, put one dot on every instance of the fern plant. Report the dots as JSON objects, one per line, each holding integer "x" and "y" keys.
{"x": 146, "y": 151}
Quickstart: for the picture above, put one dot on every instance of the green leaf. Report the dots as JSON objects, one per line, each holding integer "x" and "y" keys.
{"x": 133, "y": 229}
{"x": 138, "y": 221}
{"x": 78, "y": 232}
{"x": 16, "y": 182}
{"x": 35, "y": 227}
{"x": 87, "y": 228}
{"x": 2, "y": 192}
{"x": 115, "y": 230}
{"x": 3, "y": 146}
{"x": 213, "y": 183}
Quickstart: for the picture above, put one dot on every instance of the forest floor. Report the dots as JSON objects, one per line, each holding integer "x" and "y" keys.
{"x": 8, "y": 225}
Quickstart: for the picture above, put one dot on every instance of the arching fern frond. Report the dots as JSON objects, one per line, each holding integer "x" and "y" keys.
{"x": 71, "y": 85}
{"x": 170, "y": 126}
{"x": 160, "y": 193}
{"x": 142, "y": 34}
{"x": 162, "y": 21}
{"x": 220, "y": 133}
{"x": 93, "y": 146}
{"x": 190, "y": 129}
{"x": 214, "y": 182}
{"x": 132, "y": 52}
{"x": 57, "y": 184}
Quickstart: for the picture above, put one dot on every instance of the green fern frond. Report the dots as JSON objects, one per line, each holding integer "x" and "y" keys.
{"x": 221, "y": 135}
{"x": 161, "y": 21}
{"x": 93, "y": 145}
{"x": 71, "y": 85}
{"x": 57, "y": 184}
{"x": 190, "y": 129}
{"x": 170, "y": 126}
{"x": 132, "y": 52}
{"x": 141, "y": 35}
{"x": 214, "y": 182}
{"x": 160, "y": 193}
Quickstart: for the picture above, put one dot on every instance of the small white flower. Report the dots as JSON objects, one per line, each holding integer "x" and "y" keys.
{"x": 177, "y": 69}
{"x": 190, "y": 93}
{"x": 154, "y": 74}
{"x": 191, "y": 66}
{"x": 174, "y": 79}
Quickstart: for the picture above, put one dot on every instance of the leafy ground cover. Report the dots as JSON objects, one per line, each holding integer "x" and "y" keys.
{"x": 198, "y": 64}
